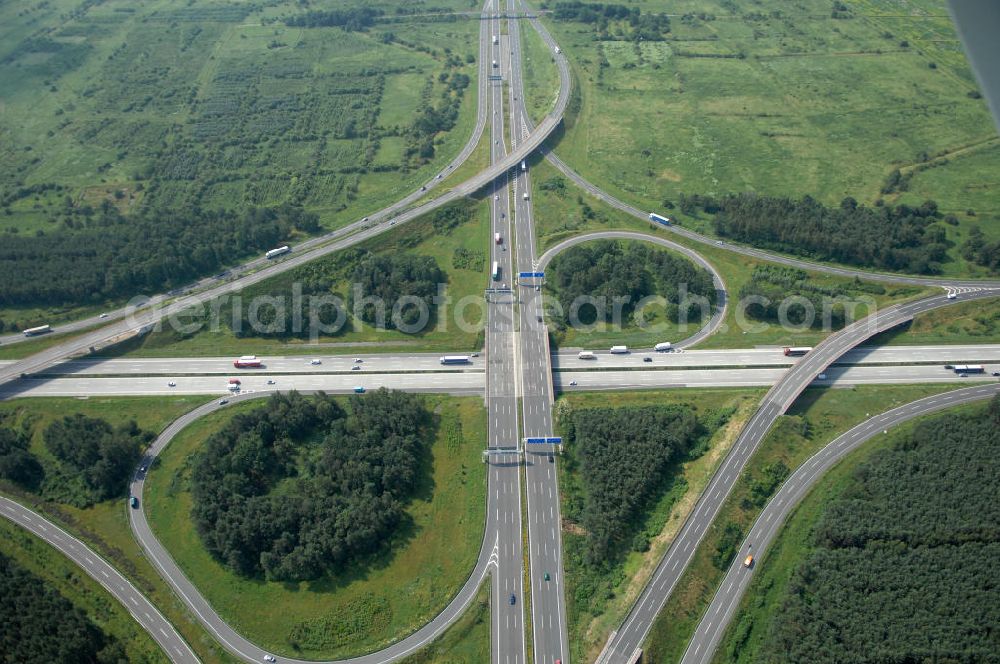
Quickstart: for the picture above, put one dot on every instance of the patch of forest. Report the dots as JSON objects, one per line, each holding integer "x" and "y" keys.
{"x": 93, "y": 459}
{"x": 301, "y": 487}
{"x": 899, "y": 238}
{"x": 627, "y": 272}
{"x": 902, "y": 565}
{"x": 109, "y": 255}
{"x": 40, "y": 626}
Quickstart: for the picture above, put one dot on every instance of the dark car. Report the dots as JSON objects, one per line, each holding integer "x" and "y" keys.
{"x": 647, "y": 359}
{"x": 551, "y": 458}
{"x": 134, "y": 502}
{"x": 513, "y": 600}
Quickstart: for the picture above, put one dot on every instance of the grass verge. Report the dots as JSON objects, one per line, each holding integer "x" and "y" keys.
{"x": 468, "y": 640}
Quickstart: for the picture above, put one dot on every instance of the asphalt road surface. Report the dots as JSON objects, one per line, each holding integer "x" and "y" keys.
{"x": 548, "y": 607}
{"x": 712, "y": 627}
{"x": 561, "y": 360}
{"x": 502, "y": 407}
{"x": 628, "y": 638}
{"x": 508, "y": 643}
{"x": 141, "y": 609}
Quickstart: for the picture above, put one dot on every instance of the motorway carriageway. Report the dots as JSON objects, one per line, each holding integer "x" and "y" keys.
{"x": 563, "y": 360}
{"x": 473, "y": 383}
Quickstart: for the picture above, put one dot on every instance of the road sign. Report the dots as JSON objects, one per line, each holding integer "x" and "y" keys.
{"x": 535, "y": 441}
{"x": 531, "y": 275}
{"x": 540, "y": 440}
{"x": 495, "y": 77}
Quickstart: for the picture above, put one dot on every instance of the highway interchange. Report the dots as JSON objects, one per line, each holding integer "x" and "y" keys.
{"x": 517, "y": 370}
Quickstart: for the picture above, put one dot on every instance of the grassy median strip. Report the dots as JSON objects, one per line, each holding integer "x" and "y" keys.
{"x": 467, "y": 640}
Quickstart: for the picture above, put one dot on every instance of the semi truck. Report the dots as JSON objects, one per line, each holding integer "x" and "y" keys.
{"x": 796, "y": 351}
{"x": 969, "y": 369}
{"x": 247, "y": 362}
{"x": 495, "y": 65}
{"x": 497, "y": 238}
{"x": 496, "y": 271}
{"x": 35, "y": 331}
{"x": 587, "y": 355}
{"x": 663, "y": 347}
{"x": 274, "y": 253}
{"x": 524, "y": 166}
{"x": 496, "y": 39}
{"x": 619, "y": 350}
{"x": 659, "y": 219}
{"x": 455, "y": 359}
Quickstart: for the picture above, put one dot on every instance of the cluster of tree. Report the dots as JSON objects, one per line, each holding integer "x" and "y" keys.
{"x": 345, "y": 480}
{"x": 623, "y": 455}
{"x": 17, "y": 464}
{"x": 901, "y": 561}
{"x": 351, "y": 20}
{"x": 977, "y": 249}
{"x": 40, "y": 626}
{"x": 100, "y": 455}
{"x": 782, "y": 294}
{"x": 613, "y": 271}
{"x": 900, "y": 238}
{"x": 384, "y": 279}
{"x": 111, "y": 255}
{"x": 644, "y": 27}
{"x": 432, "y": 119}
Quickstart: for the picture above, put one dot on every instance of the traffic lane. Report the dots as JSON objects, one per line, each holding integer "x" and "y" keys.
{"x": 748, "y": 357}
{"x": 139, "y": 607}
{"x": 720, "y": 612}
{"x": 463, "y": 383}
{"x": 837, "y": 376}
{"x": 273, "y": 364}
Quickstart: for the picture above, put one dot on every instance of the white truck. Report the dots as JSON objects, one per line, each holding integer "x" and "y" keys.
{"x": 619, "y": 350}
{"x": 587, "y": 355}
{"x": 664, "y": 347}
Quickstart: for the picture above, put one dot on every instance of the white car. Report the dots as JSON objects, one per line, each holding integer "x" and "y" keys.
{"x": 315, "y": 362}
{"x": 572, "y": 383}
{"x": 171, "y": 384}
{"x": 358, "y": 360}
{"x": 103, "y": 316}
{"x": 223, "y": 402}
{"x": 269, "y": 658}
{"x": 355, "y": 368}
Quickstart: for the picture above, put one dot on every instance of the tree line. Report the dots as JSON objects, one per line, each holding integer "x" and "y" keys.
{"x": 351, "y": 20}
{"x": 93, "y": 459}
{"x": 345, "y": 477}
{"x": 40, "y": 626}
{"x": 769, "y": 288}
{"x": 643, "y": 26}
{"x": 631, "y": 272}
{"x": 111, "y": 255}
{"x": 898, "y": 238}
{"x": 900, "y": 563}
{"x": 622, "y": 456}
{"x": 980, "y": 251}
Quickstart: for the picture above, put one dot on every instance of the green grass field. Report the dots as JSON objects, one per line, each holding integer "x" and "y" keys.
{"x": 762, "y": 601}
{"x": 58, "y": 573}
{"x": 561, "y": 212}
{"x": 541, "y": 78}
{"x": 597, "y": 603}
{"x": 816, "y": 418}
{"x": 966, "y": 322}
{"x": 397, "y": 592}
{"x": 104, "y": 526}
{"x": 468, "y": 640}
{"x": 113, "y": 100}
{"x": 784, "y": 101}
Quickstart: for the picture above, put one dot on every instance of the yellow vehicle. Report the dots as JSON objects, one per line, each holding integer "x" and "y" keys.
{"x": 748, "y": 562}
